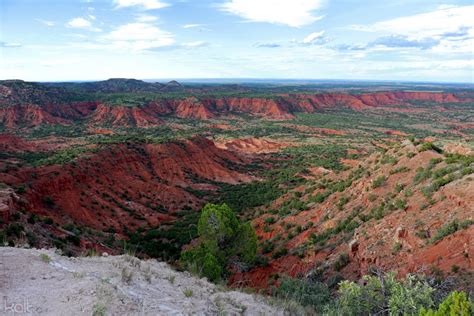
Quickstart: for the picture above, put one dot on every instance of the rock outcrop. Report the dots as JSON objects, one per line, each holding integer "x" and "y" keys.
{"x": 8, "y": 200}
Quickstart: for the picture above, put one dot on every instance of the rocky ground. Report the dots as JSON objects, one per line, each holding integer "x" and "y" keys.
{"x": 41, "y": 282}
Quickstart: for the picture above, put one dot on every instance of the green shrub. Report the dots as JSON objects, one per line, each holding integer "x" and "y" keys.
{"x": 451, "y": 228}
{"x": 48, "y": 201}
{"x": 75, "y": 240}
{"x": 421, "y": 175}
{"x": 342, "y": 261}
{"x": 430, "y": 146}
{"x": 270, "y": 220}
{"x": 267, "y": 247}
{"x": 383, "y": 295}
{"x": 14, "y": 230}
{"x": 401, "y": 204}
{"x": 280, "y": 253}
{"x": 456, "y": 304}
{"x": 303, "y": 292}
{"x": 399, "y": 170}
{"x": 396, "y": 247}
{"x": 379, "y": 181}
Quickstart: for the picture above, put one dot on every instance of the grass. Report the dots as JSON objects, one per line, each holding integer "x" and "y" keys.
{"x": 45, "y": 258}
{"x": 127, "y": 275}
{"x": 171, "y": 279}
{"x": 99, "y": 310}
{"x": 188, "y": 292}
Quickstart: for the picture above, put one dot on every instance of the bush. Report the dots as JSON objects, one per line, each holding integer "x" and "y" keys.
{"x": 451, "y": 228}
{"x": 382, "y": 295}
{"x": 457, "y": 303}
{"x": 342, "y": 261}
{"x": 379, "y": 181}
{"x": 14, "y": 230}
{"x": 75, "y": 240}
{"x": 430, "y": 146}
{"x": 270, "y": 220}
{"x": 401, "y": 204}
{"x": 280, "y": 253}
{"x": 48, "y": 201}
{"x": 304, "y": 292}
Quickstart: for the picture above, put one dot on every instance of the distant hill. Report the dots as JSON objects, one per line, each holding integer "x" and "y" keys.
{"x": 119, "y": 85}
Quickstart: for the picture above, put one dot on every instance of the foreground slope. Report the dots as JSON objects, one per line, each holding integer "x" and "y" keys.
{"x": 404, "y": 208}
{"x": 121, "y": 285}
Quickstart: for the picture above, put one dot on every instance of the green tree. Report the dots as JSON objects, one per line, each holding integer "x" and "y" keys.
{"x": 222, "y": 239}
{"x": 211, "y": 268}
{"x": 246, "y": 245}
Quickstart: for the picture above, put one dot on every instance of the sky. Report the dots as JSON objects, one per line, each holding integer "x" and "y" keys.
{"x": 401, "y": 40}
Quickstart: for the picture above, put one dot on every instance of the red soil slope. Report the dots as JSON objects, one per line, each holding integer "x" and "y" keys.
{"x": 128, "y": 184}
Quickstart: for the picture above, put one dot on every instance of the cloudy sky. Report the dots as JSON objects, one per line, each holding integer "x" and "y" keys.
{"x": 416, "y": 40}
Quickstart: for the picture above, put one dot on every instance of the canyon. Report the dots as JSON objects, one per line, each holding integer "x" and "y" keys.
{"x": 334, "y": 183}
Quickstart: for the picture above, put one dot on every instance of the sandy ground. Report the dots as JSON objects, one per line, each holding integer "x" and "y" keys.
{"x": 41, "y": 282}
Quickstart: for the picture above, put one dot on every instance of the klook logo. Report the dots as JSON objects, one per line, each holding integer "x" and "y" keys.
{"x": 22, "y": 307}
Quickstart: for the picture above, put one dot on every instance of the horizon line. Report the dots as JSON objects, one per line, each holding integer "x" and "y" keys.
{"x": 250, "y": 80}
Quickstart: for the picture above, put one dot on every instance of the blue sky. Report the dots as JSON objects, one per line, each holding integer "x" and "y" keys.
{"x": 416, "y": 40}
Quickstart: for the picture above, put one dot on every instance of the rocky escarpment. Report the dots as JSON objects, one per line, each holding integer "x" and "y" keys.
{"x": 27, "y": 104}
{"x": 127, "y": 185}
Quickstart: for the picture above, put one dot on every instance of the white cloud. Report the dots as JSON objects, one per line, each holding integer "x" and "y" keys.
{"x": 146, "y": 18}
{"x": 191, "y": 26}
{"x": 294, "y": 13}
{"x": 8, "y": 45}
{"x": 447, "y": 30}
{"x": 194, "y": 44}
{"x": 145, "y": 4}
{"x": 45, "y": 22}
{"x": 92, "y": 17}
{"x": 139, "y": 36}
{"x": 81, "y": 23}
{"x": 313, "y": 37}
{"x": 446, "y": 19}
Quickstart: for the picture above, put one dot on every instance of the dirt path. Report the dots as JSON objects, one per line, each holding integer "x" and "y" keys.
{"x": 41, "y": 282}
